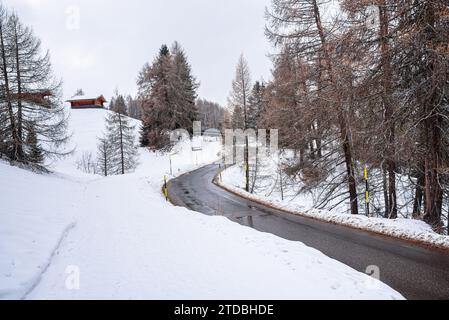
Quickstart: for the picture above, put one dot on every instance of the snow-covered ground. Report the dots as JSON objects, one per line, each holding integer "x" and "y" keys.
{"x": 70, "y": 235}
{"x": 304, "y": 203}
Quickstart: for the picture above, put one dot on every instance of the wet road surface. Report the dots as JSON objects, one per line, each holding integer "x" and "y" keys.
{"x": 414, "y": 271}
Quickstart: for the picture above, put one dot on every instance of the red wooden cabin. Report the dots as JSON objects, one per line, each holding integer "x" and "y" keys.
{"x": 87, "y": 103}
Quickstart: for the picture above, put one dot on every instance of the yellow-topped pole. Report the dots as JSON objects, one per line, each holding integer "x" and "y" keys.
{"x": 165, "y": 188}
{"x": 367, "y": 199}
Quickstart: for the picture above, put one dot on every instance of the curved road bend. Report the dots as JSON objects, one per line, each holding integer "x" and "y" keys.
{"x": 414, "y": 271}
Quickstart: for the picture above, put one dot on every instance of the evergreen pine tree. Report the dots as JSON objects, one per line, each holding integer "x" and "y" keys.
{"x": 256, "y": 105}
{"x": 157, "y": 99}
{"x": 111, "y": 104}
{"x": 210, "y": 114}
{"x": 104, "y": 156}
{"x": 134, "y": 110}
{"x": 118, "y": 105}
{"x": 238, "y": 100}
{"x": 79, "y": 93}
{"x": 3, "y": 134}
{"x": 144, "y": 136}
{"x": 238, "y": 118}
{"x": 167, "y": 93}
{"x": 34, "y": 153}
{"x": 30, "y": 95}
{"x": 120, "y": 134}
{"x": 186, "y": 86}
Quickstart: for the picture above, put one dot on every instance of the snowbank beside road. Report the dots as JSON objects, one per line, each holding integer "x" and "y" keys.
{"x": 407, "y": 229}
{"x": 129, "y": 243}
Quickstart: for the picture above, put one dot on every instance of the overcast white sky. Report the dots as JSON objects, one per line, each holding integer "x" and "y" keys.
{"x": 113, "y": 39}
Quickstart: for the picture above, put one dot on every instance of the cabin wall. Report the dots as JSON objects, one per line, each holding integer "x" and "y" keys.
{"x": 94, "y": 103}
{"x": 99, "y": 102}
{"x": 87, "y": 104}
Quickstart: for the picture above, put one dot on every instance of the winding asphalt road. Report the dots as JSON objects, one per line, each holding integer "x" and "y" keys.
{"x": 416, "y": 272}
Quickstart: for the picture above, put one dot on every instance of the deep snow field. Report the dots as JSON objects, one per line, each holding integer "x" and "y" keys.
{"x": 70, "y": 235}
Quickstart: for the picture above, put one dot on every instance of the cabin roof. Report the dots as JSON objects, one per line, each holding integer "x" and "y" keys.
{"x": 86, "y": 98}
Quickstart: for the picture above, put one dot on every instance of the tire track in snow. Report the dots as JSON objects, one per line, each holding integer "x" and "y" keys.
{"x": 34, "y": 283}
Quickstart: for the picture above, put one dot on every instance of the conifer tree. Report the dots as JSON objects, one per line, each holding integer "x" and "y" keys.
{"x": 134, "y": 109}
{"x": 167, "y": 92}
{"x": 211, "y": 114}
{"x": 30, "y": 94}
{"x": 186, "y": 87}
{"x": 300, "y": 29}
{"x": 34, "y": 151}
{"x": 79, "y": 93}
{"x": 238, "y": 100}
{"x": 118, "y": 104}
{"x": 238, "y": 118}
{"x": 104, "y": 156}
{"x": 4, "y": 144}
{"x": 369, "y": 90}
{"x": 157, "y": 102}
{"x": 256, "y": 105}
{"x": 120, "y": 135}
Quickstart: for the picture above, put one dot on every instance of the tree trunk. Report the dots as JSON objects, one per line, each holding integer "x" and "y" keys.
{"x": 121, "y": 145}
{"x": 418, "y": 201}
{"x": 105, "y": 151}
{"x": 14, "y": 134}
{"x": 433, "y": 189}
{"x": 281, "y": 182}
{"x": 349, "y": 169}
{"x": 346, "y": 144}
{"x": 318, "y": 122}
{"x": 312, "y": 151}
{"x": 318, "y": 140}
{"x": 245, "y": 111}
{"x": 302, "y": 151}
{"x": 247, "y": 188}
{"x": 19, "y": 97}
{"x": 433, "y": 123}
{"x": 386, "y": 194}
{"x": 392, "y": 209}
{"x": 256, "y": 169}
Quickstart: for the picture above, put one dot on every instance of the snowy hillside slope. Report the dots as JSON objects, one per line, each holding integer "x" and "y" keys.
{"x": 122, "y": 240}
{"x": 32, "y": 225}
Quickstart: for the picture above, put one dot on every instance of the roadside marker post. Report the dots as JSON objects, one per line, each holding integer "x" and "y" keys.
{"x": 367, "y": 199}
{"x": 165, "y": 188}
